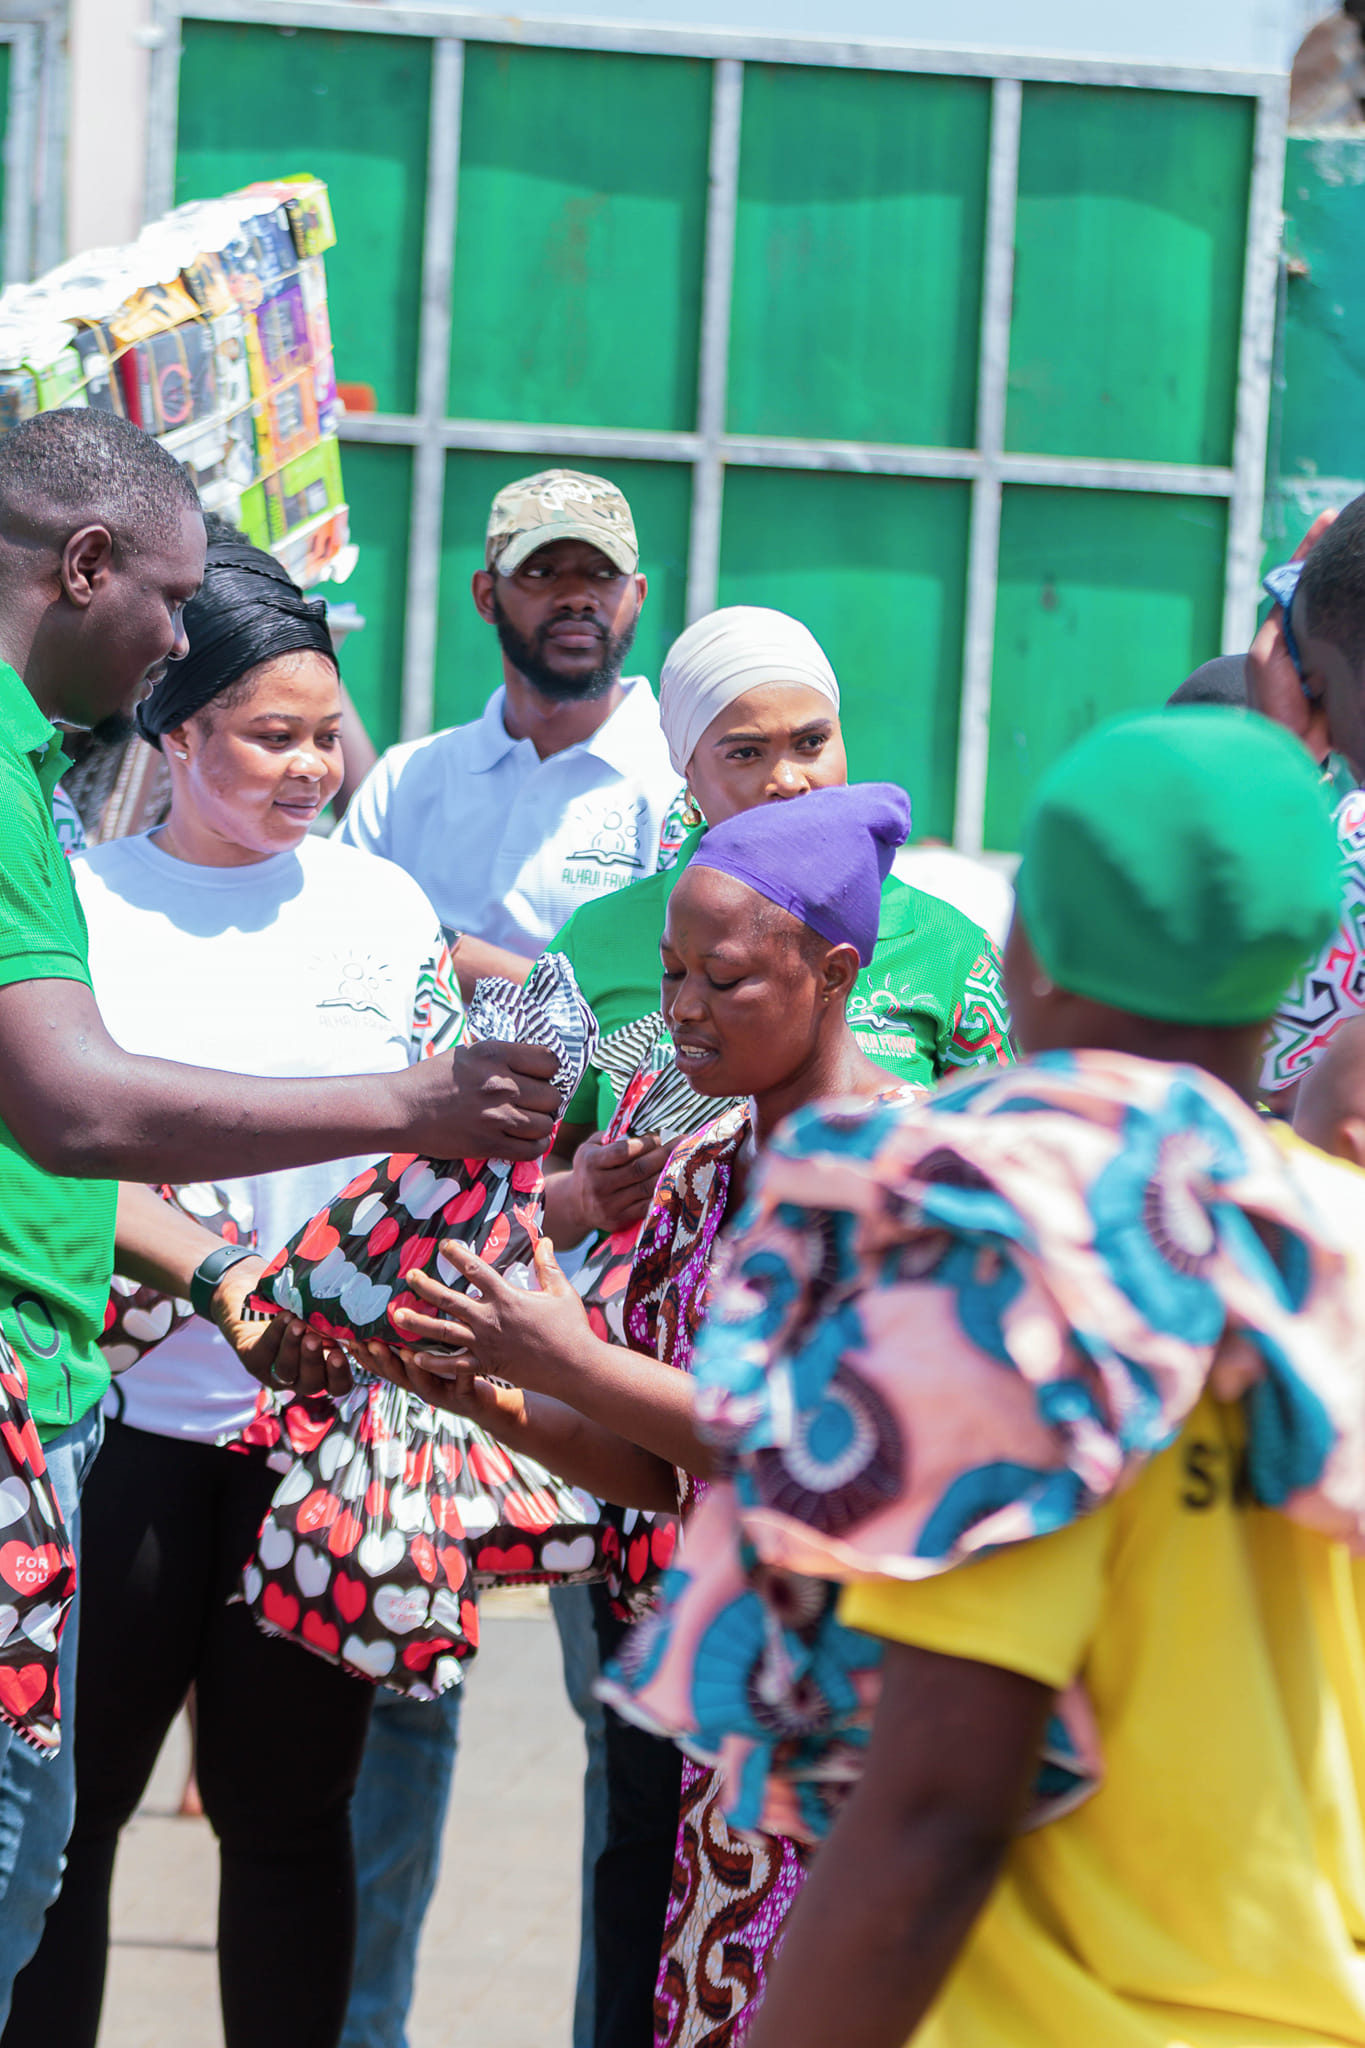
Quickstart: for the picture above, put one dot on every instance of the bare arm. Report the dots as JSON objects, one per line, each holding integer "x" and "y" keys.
{"x": 913, "y": 1858}
{"x": 160, "y": 1246}
{"x": 545, "y": 1345}
{"x": 474, "y": 957}
{"x": 79, "y": 1104}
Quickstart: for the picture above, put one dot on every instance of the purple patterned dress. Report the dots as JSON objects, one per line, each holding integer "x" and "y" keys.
{"x": 730, "y": 1894}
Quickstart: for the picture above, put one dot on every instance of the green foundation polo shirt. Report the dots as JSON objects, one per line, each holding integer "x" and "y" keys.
{"x": 930, "y": 1001}
{"x": 56, "y": 1235}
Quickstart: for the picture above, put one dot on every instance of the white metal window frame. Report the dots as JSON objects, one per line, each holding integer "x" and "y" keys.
{"x": 710, "y": 450}
{"x": 35, "y": 136}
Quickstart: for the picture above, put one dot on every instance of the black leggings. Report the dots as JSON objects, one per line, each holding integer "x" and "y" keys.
{"x": 166, "y": 1528}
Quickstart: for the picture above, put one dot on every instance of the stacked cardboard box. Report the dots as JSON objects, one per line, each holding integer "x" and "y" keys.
{"x": 211, "y": 332}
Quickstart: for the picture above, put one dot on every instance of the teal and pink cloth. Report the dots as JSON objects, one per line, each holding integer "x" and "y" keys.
{"x": 943, "y": 1328}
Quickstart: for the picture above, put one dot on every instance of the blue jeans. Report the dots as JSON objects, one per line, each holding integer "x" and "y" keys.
{"x": 38, "y": 1794}
{"x": 398, "y": 1817}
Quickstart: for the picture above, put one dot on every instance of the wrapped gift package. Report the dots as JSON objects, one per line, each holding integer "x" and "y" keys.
{"x": 345, "y": 1272}
{"x": 210, "y": 331}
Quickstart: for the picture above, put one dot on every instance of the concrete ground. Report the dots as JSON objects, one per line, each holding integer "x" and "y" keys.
{"x": 501, "y": 1945}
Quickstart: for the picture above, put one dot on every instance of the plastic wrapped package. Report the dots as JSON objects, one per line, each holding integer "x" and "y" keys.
{"x": 390, "y": 1515}
{"x": 170, "y": 380}
{"x": 344, "y": 1273}
{"x": 211, "y": 332}
{"x": 389, "y": 1506}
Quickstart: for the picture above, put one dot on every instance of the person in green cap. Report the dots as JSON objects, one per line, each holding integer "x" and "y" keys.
{"x": 1032, "y": 1589}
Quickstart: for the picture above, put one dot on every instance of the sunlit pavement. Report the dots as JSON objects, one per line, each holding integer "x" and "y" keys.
{"x": 501, "y": 1944}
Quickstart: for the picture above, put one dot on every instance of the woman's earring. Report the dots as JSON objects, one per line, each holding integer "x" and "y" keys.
{"x": 180, "y": 753}
{"x": 691, "y": 816}
{"x": 1042, "y": 987}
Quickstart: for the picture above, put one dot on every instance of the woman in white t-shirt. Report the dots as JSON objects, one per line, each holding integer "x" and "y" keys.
{"x": 230, "y": 937}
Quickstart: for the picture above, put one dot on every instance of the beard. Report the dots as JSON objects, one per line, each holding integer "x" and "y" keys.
{"x": 528, "y": 659}
{"x": 115, "y": 729}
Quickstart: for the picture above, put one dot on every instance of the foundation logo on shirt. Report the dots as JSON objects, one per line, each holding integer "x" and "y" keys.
{"x": 876, "y": 1019}
{"x": 613, "y": 854}
{"x": 363, "y": 988}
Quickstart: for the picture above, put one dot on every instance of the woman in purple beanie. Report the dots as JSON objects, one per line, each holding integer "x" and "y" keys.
{"x": 765, "y": 937}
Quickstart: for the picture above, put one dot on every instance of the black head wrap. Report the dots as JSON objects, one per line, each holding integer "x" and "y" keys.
{"x": 248, "y": 610}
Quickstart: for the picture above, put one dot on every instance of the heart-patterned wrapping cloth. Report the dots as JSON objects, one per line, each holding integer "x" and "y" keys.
{"x": 37, "y": 1571}
{"x": 399, "y": 1609}
{"x": 344, "y": 1272}
{"x": 390, "y": 1514}
{"x": 138, "y": 1318}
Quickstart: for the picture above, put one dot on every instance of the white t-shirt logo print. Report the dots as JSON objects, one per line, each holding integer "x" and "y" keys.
{"x": 362, "y": 986}
{"x": 616, "y": 842}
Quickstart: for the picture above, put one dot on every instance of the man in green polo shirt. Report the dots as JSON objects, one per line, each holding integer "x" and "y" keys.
{"x": 101, "y": 547}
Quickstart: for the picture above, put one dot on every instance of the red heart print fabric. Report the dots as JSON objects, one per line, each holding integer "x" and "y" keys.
{"x": 345, "y": 1272}
{"x": 136, "y": 1318}
{"x": 390, "y": 1515}
{"x": 37, "y": 1571}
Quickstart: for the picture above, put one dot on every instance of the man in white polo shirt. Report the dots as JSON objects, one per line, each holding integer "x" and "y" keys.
{"x": 557, "y": 794}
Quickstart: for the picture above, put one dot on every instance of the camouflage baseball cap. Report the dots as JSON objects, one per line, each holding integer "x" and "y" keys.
{"x": 559, "y": 504}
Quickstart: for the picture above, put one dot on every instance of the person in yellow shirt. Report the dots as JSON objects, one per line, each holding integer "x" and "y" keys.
{"x": 1032, "y": 1588}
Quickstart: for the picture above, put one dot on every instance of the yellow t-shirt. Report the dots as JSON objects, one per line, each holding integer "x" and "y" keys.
{"x": 1211, "y": 1894}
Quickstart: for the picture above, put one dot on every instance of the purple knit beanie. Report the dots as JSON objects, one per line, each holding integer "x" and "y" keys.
{"x": 822, "y": 856}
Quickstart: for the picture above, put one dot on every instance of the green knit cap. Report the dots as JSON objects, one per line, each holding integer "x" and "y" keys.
{"x": 1180, "y": 865}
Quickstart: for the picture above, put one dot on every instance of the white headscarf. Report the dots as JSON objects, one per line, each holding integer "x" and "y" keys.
{"x": 728, "y": 652}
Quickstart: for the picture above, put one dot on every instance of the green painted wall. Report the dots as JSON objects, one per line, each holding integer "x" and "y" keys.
{"x": 379, "y": 492}
{"x": 353, "y": 109}
{"x": 1107, "y": 601}
{"x": 582, "y": 205}
{"x": 876, "y": 566}
{"x": 1317, "y": 428}
{"x": 858, "y": 249}
{"x": 1128, "y": 274}
{"x": 857, "y": 295}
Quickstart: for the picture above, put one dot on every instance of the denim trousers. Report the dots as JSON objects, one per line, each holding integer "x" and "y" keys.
{"x": 398, "y": 1818}
{"x": 398, "y": 1815}
{"x": 38, "y": 1794}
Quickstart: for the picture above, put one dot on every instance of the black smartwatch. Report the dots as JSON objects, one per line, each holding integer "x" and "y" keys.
{"x": 210, "y": 1271}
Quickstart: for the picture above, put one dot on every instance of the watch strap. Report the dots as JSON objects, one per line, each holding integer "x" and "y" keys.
{"x": 210, "y": 1271}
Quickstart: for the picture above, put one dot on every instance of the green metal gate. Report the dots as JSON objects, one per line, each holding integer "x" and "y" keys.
{"x": 965, "y": 358}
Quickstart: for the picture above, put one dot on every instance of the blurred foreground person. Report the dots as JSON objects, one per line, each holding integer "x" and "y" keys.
{"x": 189, "y": 924}
{"x": 1061, "y": 1377}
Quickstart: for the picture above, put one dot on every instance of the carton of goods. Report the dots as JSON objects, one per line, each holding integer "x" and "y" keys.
{"x": 211, "y": 332}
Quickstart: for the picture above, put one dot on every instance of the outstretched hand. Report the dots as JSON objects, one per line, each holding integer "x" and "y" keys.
{"x": 280, "y": 1353}
{"x": 459, "y": 1390}
{"x": 508, "y": 1331}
